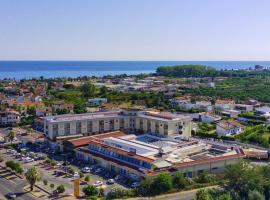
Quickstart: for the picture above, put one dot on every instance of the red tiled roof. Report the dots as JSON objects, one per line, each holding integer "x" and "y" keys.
{"x": 79, "y": 142}
{"x": 182, "y": 164}
{"x": 191, "y": 163}
{"x": 84, "y": 141}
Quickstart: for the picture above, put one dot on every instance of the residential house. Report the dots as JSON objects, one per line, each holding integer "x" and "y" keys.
{"x": 263, "y": 111}
{"x": 244, "y": 107}
{"x": 229, "y": 128}
{"x": 61, "y": 105}
{"x": 97, "y": 101}
{"x": 209, "y": 117}
{"x": 230, "y": 113}
{"x": 224, "y": 104}
{"x": 43, "y": 111}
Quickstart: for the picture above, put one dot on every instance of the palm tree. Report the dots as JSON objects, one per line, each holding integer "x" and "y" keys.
{"x": 11, "y": 136}
{"x": 32, "y": 176}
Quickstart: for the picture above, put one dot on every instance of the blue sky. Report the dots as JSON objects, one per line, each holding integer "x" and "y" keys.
{"x": 134, "y": 30}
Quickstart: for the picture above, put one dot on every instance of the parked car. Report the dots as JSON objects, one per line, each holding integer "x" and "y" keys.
{"x": 59, "y": 172}
{"x": 17, "y": 155}
{"x": 76, "y": 174}
{"x": 28, "y": 159}
{"x": 86, "y": 170}
{"x": 98, "y": 170}
{"x": 98, "y": 183}
{"x": 110, "y": 181}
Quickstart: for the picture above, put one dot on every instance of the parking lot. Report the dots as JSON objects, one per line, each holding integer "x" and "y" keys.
{"x": 60, "y": 170}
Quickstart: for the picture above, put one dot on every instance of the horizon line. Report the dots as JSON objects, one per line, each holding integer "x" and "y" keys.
{"x": 83, "y": 60}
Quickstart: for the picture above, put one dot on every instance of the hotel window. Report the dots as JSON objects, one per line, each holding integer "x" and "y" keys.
{"x": 78, "y": 127}
{"x": 111, "y": 124}
{"x": 121, "y": 123}
{"x": 89, "y": 126}
{"x": 101, "y": 126}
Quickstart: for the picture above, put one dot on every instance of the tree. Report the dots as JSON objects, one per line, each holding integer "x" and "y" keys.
{"x": 71, "y": 171}
{"x": 81, "y": 174}
{"x": 51, "y": 185}
{"x": 240, "y": 178}
{"x": 88, "y": 89}
{"x": 204, "y": 178}
{"x": 32, "y": 176}
{"x": 11, "y": 136}
{"x": 101, "y": 192}
{"x": 61, "y": 189}
{"x": 103, "y": 91}
{"x": 179, "y": 181}
{"x": 203, "y": 195}
{"x": 119, "y": 193}
{"x": 90, "y": 190}
{"x": 145, "y": 188}
{"x": 14, "y": 166}
{"x": 265, "y": 171}
{"x": 255, "y": 195}
{"x": 162, "y": 183}
{"x": 19, "y": 170}
{"x": 31, "y": 110}
{"x": 87, "y": 178}
{"x": 45, "y": 182}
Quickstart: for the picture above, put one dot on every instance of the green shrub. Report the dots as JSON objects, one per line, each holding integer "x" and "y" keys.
{"x": 61, "y": 189}
{"x": 81, "y": 174}
{"x": 45, "y": 182}
{"x": 87, "y": 178}
{"x": 90, "y": 190}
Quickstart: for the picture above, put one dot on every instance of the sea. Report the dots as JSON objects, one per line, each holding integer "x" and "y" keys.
{"x": 52, "y": 69}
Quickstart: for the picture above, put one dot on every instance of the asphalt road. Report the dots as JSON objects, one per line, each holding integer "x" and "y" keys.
{"x": 15, "y": 186}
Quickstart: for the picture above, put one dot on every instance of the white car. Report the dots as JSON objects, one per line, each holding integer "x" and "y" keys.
{"x": 8, "y": 151}
{"x": 86, "y": 170}
{"x": 76, "y": 174}
{"x": 98, "y": 183}
{"x": 28, "y": 160}
{"x": 110, "y": 181}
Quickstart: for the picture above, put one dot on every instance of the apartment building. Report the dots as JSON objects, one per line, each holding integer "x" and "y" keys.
{"x": 132, "y": 120}
{"x": 9, "y": 117}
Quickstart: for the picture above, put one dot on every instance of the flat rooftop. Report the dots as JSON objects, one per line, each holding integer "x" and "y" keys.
{"x": 165, "y": 151}
{"x": 85, "y": 116}
{"x": 164, "y": 116}
{"x": 162, "y": 152}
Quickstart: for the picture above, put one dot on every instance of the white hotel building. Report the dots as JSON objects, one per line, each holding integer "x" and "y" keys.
{"x": 131, "y": 121}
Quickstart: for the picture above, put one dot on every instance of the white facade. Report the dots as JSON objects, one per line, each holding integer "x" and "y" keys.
{"x": 263, "y": 111}
{"x": 130, "y": 121}
{"x": 9, "y": 118}
{"x": 228, "y": 129}
{"x": 224, "y": 106}
{"x": 187, "y": 104}
{"x": 207, "y": 118}
{"x": 244, "y": 107}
